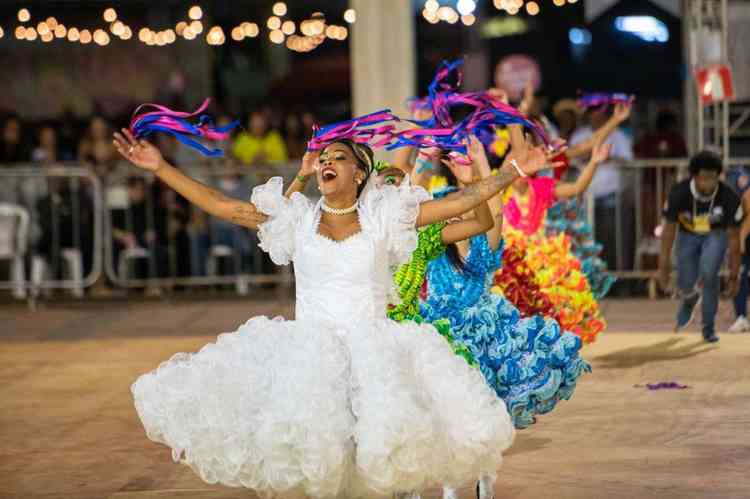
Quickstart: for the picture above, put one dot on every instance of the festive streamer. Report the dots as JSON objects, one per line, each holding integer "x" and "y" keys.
{"x": 440, "y": 131}
{"x": 416, "y": 104}
{"x": 603, "y": 99}
{"x": 179, "y": 125}
{"x": 664, "y": 385}
{"x": 375, "y": 129}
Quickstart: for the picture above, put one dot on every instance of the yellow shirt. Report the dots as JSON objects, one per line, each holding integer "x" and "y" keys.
{"x": 270, "y": 147}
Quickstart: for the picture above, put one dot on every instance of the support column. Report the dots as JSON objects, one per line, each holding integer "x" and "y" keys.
{"x": 383, "y": 55}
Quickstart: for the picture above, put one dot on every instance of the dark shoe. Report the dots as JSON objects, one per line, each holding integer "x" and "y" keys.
{"x": 712, "y": 338}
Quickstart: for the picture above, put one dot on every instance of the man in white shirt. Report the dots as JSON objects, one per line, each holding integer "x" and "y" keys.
{"x": 607, "y": 188}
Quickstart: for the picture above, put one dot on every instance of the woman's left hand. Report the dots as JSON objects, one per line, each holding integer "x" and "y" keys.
{"x": 309, "y": 163}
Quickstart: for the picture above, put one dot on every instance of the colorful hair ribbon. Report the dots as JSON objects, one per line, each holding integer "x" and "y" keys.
{"x": 361, "y": 129}
{"x": 602, "y": 99}
{"x": 180, "y": 126}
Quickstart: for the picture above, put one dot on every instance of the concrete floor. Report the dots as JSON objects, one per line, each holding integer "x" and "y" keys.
{"x": 68, "y": 428}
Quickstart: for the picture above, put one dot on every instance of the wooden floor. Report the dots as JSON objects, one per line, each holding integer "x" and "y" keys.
{"x": 68, "y": 428}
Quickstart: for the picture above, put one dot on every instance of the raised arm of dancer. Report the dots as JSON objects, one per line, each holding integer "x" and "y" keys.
{"x": 620, "y": 115}
{"x": 482, "y": 221}
{"x": 528, "y": 162}
{"x": 146, "y": 156}
{"x": 306, "y": 172}
{"x": 418, "y": 171}
{"x": 495, "y": 203}
{"x": 565, "y": 190}
{"x": 402, "y": 159}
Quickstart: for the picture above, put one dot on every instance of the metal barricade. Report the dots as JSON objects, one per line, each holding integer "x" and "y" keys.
{"x": 50, "y": 229}
{"x": 142, "y": 234}
{"x": 638, "y": 211}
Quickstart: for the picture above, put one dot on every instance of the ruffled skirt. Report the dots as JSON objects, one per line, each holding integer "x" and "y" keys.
{"x": 530, "y": 362}
{"x": 541, "y": 276}
{"x": 566, "y": 217}
{"x": 285, "y": 407}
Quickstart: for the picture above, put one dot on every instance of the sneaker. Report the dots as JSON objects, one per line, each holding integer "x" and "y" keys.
{"x": 449, "y": 493}
{"x": 712, "y": 338}
{"x": 686, "y": 312}
{"x": 741, "y": 325}
{"x": 486, "y": 488}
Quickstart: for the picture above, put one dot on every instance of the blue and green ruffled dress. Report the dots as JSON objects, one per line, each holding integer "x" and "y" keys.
{"x": 529, "y": 362}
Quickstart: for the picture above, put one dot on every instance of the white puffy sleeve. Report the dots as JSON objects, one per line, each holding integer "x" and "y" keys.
{"x": 277, "y": 234}
{"x": 395, "y": 211}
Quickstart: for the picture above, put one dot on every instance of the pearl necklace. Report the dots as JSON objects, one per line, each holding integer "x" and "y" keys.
{"x": 338, "y": 211}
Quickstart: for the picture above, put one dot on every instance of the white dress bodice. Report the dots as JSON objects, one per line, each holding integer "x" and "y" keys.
{"x": 340, "y": 282}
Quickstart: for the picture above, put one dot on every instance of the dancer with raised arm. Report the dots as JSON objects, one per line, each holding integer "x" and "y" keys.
{"x": 341, "y": 401}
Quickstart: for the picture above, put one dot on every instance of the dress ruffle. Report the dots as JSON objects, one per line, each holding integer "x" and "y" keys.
{"x": 567, "y": 217}
{"x": 277, "y": 235}
{"x": 529, "y": 362}
{"x": 281, "y": 407}
{"x": 550, "y": 266}
{"x": 398, "y": 208}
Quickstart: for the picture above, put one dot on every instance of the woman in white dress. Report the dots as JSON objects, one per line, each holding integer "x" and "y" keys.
{"x": 341, "y": 401}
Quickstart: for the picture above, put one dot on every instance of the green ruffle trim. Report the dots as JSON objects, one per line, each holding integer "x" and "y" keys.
{"x": 409, "y": 279}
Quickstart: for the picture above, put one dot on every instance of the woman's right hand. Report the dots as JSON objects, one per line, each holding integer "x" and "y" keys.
{"x": 464, "y": 173}
{"x": 141, "y": 153}
{"x": 622, "y": 111}
{"x": 479, "y": 156}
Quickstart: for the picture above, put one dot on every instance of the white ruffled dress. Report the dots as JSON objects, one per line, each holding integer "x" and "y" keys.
{"x": 341, "y": 402}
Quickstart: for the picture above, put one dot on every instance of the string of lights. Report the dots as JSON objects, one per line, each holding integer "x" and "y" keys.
{"x": 302, "y": 37}
{"x": 312, "y": 31}
{"x": 434, "y": 11}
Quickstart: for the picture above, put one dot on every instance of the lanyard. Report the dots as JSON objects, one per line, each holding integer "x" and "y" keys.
{"x": 710, "y": 205}
{"x": 696, "y": 195}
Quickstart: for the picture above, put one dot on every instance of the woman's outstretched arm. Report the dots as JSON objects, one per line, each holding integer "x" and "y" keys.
{"x": 620, "y": 115}
{"x": 564, "y": 190}
{"x": 529, "y": 162}
{"x": 147, "y": 157}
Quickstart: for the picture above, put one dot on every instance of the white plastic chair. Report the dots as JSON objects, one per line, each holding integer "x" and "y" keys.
{"x": 73, "y": 266}
{"x": 218, "y": 251}
{"x": 14, "y": 233}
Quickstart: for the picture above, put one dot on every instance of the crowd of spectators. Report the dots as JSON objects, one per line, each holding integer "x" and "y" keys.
{"x": 180, "y": 240}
